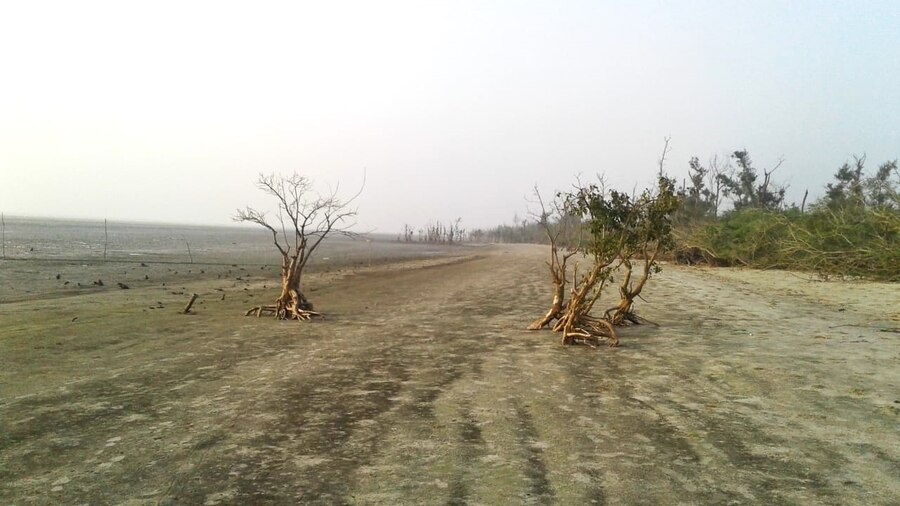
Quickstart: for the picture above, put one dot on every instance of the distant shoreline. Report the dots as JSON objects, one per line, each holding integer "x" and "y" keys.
{"x": 138, "y": 223}
{"x": 242, "y": 228}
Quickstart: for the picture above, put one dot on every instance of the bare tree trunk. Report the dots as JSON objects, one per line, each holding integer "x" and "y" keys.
{"x": 291, "y": 303}
{"x": 558, "y": 273}
{"x": 628, "y": 292}
{"x": 662, "y": 158}
{"x": 557, "y": 235}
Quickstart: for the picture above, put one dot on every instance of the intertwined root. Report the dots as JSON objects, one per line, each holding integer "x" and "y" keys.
{"x": 587, "y": 330}
{"x": 284, "y": 313}
{"x": 632, "y": 318}
{"x": 291, "y": 305}
{"x": 583, "y": 329}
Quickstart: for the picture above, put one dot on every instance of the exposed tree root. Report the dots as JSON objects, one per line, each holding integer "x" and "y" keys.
{"x": 544, "y": 320}
{"x": 292, "y": 304}
{"x": 627, "y": 318}
{"x": 283, "y": 313}
{"x": 623, "y": 314}
{"x": 572, "y": 318}
{"x": 555, "y": 313}
{"x": 588, "y": 330}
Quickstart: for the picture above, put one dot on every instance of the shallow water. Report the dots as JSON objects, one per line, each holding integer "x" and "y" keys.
{"x": 53, "y": 258}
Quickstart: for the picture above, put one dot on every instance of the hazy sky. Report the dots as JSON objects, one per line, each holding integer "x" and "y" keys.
{"x": 167, "y": 111}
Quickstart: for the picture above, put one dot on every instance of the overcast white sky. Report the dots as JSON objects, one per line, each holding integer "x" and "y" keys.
{"x": 166, "y": 111}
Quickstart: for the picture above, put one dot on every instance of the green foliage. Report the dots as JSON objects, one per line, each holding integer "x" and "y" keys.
{"x": 741, "y": 238}
{"x": 622, "y": 226}
{"x": 655, "y": 217}
{"x": 851, "y": 190}
{"x": 854, "y": 230}
{"x": 608, "y": 216}
{"x": 698, "y": 200}
{"x": 881, "y": 189}
{"x": 744, "y": 190}
{"x": 854, "y": 241}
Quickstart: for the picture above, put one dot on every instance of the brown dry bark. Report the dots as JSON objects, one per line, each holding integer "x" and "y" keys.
{"x": 291, "y": 304}
{"x": 306, "y": 219}
{"x": 623, "y": 312}
{"x": 576, "y": 324}
{"x": 558, "y": 275}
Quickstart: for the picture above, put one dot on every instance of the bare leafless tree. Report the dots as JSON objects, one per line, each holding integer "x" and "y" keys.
{"x": 407, "y": 233}
{"x": 771, "y": 199}
{"x": 662, "y": 158}
{"x": 718, "y": 173}
{"x": 305, "y": 219}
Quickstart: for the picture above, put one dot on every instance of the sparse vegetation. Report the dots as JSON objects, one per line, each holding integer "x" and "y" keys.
{"x": 521, "y": 231}
{"x": 616, "y": 230}
{"x": 436, "y": 232}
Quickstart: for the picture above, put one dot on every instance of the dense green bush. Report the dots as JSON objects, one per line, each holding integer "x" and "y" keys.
{"x": 849, "y": 241}
{"x": 739, "y": 238}
{"x": 833, "y": 243}
{"x": 854, "y": 230}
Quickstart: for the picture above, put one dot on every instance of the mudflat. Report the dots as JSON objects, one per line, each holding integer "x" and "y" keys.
{"x": 422, "y": 387}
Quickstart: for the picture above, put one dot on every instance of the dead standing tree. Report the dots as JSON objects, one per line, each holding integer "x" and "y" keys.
{"x": 306, "y": 218}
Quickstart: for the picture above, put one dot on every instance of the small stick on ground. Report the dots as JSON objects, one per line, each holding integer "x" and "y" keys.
{"x": 187, "y": 309}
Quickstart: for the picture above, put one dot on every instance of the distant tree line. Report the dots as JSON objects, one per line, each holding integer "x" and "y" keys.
{"x": 523, "y": 230}
{"x": 435, "y": 232}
